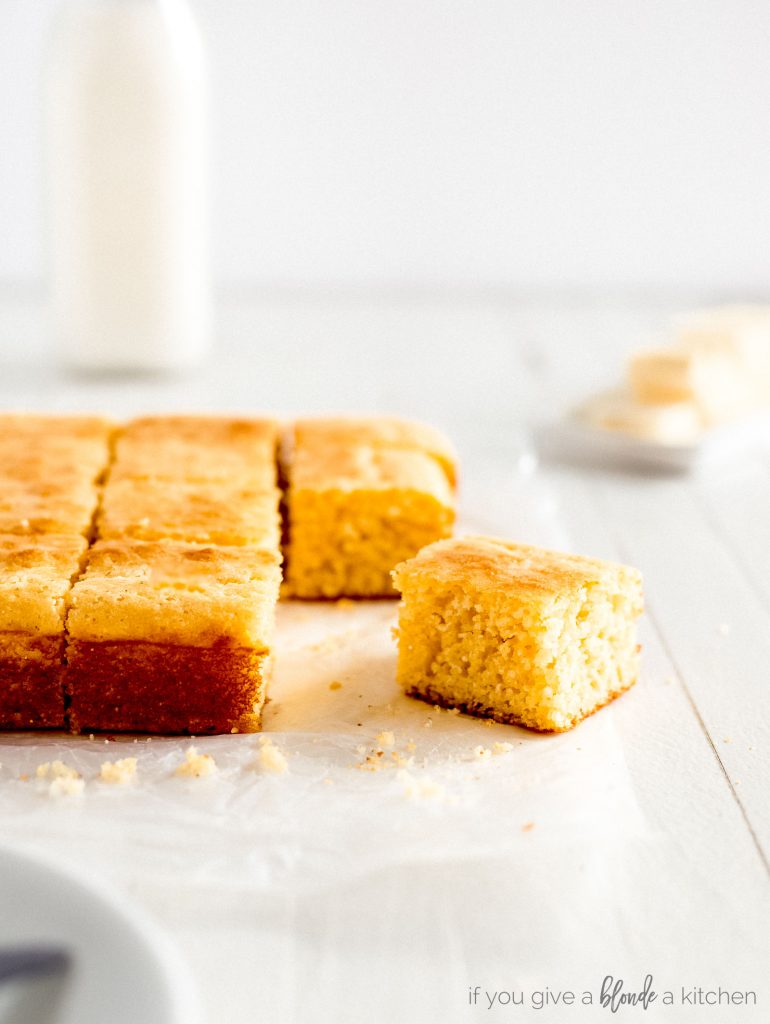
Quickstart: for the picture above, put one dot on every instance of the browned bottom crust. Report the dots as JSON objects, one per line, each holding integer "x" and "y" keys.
{"x": 431, "y": 696}
{"x": 31, "y": 690}
{"x": 131, "y": 686}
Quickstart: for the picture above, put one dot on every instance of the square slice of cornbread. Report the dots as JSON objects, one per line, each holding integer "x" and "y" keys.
{"x": 36, "y": 575}
{"x": 203, "y": 512}
{"x": 354, "y": 510}
{"x": 198, "y": 448}
{"x": 50, "y": 471}
{"x": 516, "y": 633}
{"x": 168, "y": 637}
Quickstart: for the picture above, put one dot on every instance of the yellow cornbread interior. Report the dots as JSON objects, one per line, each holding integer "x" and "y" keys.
{"x": 355, "y": 510}
{"x": 517, "y": 634}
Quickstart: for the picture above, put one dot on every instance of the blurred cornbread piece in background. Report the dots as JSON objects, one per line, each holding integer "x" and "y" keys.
{"x": 670, "y": 422}
{"x": 741, "y": 332}
{"x": 201, "y": 512}
{"x": 359, "y": 500}
{"x": 712, "y": 381}
{"x": 50, "y": 471}
{"x": 36, "y": 574}
{"x": 516, "y": 633}
{"x": 198, "y": 448}
{"x": 167, "y": 637}
{"x": 719, "y": 362}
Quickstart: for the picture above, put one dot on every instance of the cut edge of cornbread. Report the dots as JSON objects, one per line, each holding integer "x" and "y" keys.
{"x": 514, "y": 633}
{"x": 115, "y": 686}
{"x": 353, "y": 511}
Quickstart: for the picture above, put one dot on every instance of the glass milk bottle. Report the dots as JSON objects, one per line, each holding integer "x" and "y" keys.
{"x": 127, "y": 168}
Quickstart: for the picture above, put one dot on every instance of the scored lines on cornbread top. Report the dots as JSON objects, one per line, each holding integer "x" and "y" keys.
{"x": 198, "y": 448}
{"x": 168, "y": 592}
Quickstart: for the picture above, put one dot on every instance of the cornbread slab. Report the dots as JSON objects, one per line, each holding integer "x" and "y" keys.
{"x": 359, "y": 500}
{"x": 36, "y": 574}
{"x": 516, "y": 633}
{"x": 170, "y": 637}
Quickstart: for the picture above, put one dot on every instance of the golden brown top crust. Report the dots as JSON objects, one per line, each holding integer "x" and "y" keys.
{"x": 377, "y": 432}
{"x": 82, "y": 428}
{"x": 35, "y": 576}
{"x": 197, "y": 448}
{"x": 488, "y": 563}
{"x": 205, "y": 512}
{"x": 39, "y": 448}
{"x": 169, "y": 592}
{"x": 204, "y": 430}
{"x": 364, "y": 467}
{"x": 168, "y": 563}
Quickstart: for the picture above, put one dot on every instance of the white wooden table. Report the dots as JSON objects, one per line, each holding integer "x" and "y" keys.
{"x": 680, "y": 889}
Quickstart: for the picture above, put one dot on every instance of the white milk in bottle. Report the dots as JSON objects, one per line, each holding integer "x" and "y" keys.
{"x": 127, "y": 166}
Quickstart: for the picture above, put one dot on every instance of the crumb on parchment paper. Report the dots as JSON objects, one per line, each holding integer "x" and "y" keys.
{"x": 195, "y": 765}
{"x": 120, "y": 772}
{"x": 56, "y": 770}
{"x": 271, "y": 758}
{"x": 66, "y": 785}
{"x": 419, "y": 788}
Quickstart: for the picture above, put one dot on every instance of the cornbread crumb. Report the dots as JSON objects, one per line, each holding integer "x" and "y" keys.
{"x": 66, "y": 785}
{"x": 419, "y": 789}
{"x": 501, "y": 748}
{"x": 56, "y": 770}
{"x": 386, "y": 739}
{"x": 345, "y": 602}
{"x": 120, "y": 772}
{"x": 411, "y": 746}
{"x": 401, "y": 761}
{"x": 335, "y": 685}
{"x": 482, "y": 753}
{"x": 327, "y": 781}
{"x": 528, "y": 827}
{"x": 428, "y": 723}
{"x": 195, "y": 765}
{"x": 271, "y": 758}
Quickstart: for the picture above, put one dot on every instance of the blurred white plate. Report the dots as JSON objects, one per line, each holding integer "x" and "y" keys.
{"x": 124, "y": 970}
{"x": 573, "y": 439}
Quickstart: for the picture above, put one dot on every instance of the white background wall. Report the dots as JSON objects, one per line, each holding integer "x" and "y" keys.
{"x": 458, "y": 142}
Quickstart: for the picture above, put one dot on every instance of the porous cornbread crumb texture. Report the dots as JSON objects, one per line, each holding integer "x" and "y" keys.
{"x": 362, "y": 495}
{"x": 170, "y": 626}
{"x": 50, "y": 471}
{"x": 516, "y": 633}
